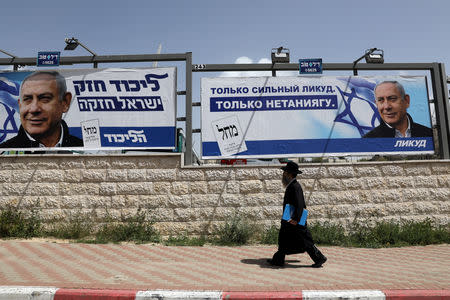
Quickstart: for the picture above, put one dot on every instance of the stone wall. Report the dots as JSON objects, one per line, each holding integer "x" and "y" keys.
{"x": 194, "y": 199}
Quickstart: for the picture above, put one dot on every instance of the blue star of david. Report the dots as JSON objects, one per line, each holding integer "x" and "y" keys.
{"x": 8, "y": 121}
{"x": 347, "y": 116}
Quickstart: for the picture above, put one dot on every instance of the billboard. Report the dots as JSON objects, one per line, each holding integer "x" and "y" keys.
{"x": 313, "y": 116}
{"x": 101, "y": 109}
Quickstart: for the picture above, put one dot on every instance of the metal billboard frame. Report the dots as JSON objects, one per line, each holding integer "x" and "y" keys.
{"x": 17, "y": 62}
{"x": 437, "y": 74}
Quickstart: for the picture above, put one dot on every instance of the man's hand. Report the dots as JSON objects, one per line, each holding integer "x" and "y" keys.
{"x": 293, "y": 222}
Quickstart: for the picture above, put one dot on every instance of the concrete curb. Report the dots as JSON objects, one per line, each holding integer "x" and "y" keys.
{"x": 53, "y": 293}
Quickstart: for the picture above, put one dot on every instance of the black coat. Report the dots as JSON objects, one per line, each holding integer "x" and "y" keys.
{"x": 294, "y": 238}
{"x": 21, "y": 140}
{"x": 384, "y": 131}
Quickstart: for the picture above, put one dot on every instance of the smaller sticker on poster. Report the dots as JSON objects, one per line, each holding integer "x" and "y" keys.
{"x": 229, "y": 136}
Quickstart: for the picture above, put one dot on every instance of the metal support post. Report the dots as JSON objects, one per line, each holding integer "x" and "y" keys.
{"x": 189, "y": 151}
{"x": 442, "y": 112}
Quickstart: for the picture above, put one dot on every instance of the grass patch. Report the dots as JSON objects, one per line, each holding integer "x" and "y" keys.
{"x": 16, "y": 224}
{"x": 135, "y": 228}
{"x": 236, "y": 231}
{"x": 77, "y": 227}
{"x": 185, "y": 240}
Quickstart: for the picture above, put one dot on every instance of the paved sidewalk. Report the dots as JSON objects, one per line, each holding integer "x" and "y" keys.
{"x": 149, "y": 267}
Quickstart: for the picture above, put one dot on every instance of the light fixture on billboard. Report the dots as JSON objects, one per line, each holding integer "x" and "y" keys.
{"x": 372, "y": 56}
{"x": 72, "y": 44}
{"x": 280, "y": 55}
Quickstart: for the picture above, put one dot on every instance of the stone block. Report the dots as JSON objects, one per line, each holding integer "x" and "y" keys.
{"x": 353, "y": 183}
{"x": 250, "y": 186}
{"x": 167, "y": 162}
{"x": 273, "y": 186}
{"x": 392, "y": 170}
{"x": 161, "y": 214}
{"x": 341, "y": 172}
{"x": 417, "y": 194}
{"x": 93, "y": 175}
{"x": 233, "y": 187}
{"x": 400, "y": 182}
{"x": 44, "y": 163}
{"x": 123, "y": 163}
{"x": 107, "y": 188}
{"x": 443, "y": 180}
{"x": 220, "y": 174}
{"x": 414, "y": 169}
{"x": 272, "y": 212}
{"x": 330, "y": 184}
{"x": 153, "y": 201}
{"x": 116, "y": 175}
{"x": 398, "y": 209}
{"x": 216, "y": 187}
{"x": 44, "y": 189}
{"x": 387, "y": 196}
{"x": 72, "y": 164}
{"x": 313, "y": 172}
{"x": 6, "y": 175}
{"x": 97, "y": 162}
{"x": 48, "y": 176}
{"x": 67, "y": 202}
{"x": 232, "y": 200}
{"x": 367, "y": 171}
{"x": 72, "y": 175}
{"x": 137, "y": 175}
{"x": 440, "y": 194}
{"x": 424, "y": 207}
{"x": 134, "y": 188}
{"x": 425, "y": 182}
{"x": 247, "y": 173}
{"x": 22, "y": 176}
{"x": 180, "y": 188}
{"x": 440, "y": 168}
{"x": 177, "y": 201}
{"x": 198, "y": 187}
{"x": 209, "y": 200}
{"x": 270, "y": 173}
{"x": 162, "y": 188}
{"x": 319, "y": 198}
{"x": 7, "y": 164}
{"x": 375, "y": 183}
{"x": 189, "y": 175}
{"x": 161, "y": 175}
{"x": 255, "y": 199}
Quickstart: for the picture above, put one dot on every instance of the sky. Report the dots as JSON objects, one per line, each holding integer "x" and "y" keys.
{"x": 231, "y": 31}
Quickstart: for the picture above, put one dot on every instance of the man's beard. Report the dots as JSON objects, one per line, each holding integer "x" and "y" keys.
{"x": 285, "y": 180}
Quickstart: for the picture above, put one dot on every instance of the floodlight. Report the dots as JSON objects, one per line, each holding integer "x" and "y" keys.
{"x": 71, "y": 44}
{"x": 374, "y": 56}
{"x": 280, "y": 55}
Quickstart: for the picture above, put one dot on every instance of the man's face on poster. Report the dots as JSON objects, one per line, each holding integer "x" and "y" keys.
{"x": 391, "y": 106}
{"x": 39, "y": 106}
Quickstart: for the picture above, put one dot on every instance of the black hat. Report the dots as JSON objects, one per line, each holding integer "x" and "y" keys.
{"x": 291, "y": 167}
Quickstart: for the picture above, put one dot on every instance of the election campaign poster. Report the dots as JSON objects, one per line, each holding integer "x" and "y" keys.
{"x": 303, "y": 116}
{"x": 88, "y": 109}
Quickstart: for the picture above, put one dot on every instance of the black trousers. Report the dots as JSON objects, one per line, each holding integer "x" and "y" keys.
{"x": 295, "y": 239}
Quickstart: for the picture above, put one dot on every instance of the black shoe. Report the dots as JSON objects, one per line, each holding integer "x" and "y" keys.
{"x": 271, "y": 262}
{"x": 319, "y": 263}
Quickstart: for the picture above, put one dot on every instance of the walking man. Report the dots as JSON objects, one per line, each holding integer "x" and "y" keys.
{"x": 294, "y": 238}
